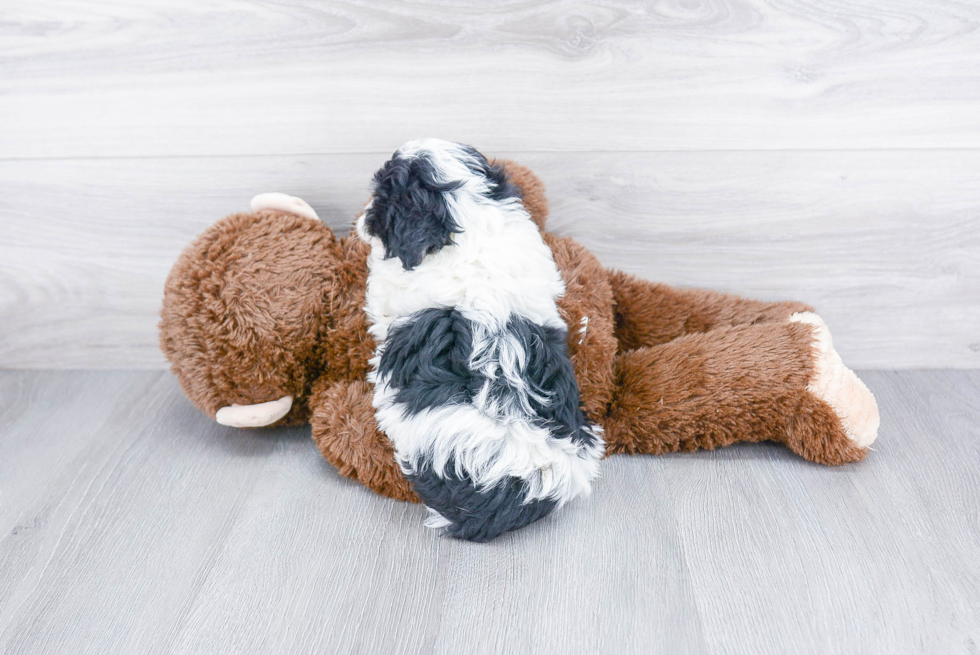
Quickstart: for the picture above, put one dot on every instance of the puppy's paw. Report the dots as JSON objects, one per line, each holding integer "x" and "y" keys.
{"x": 839, "y": 387}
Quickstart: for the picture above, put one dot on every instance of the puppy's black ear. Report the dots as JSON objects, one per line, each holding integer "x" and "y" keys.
{"x": 499, "y": 184}
{"x": 409, "y": 212}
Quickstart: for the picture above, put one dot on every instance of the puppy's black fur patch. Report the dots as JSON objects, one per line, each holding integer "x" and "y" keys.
{"x": 477, "y": 514}
{"x": 549, "y": 370}
{"x": 500, "y": 185}
{"x": 426, "y": 362}
{"x": 409, "y": 212}
{"x": 427, "y": 357}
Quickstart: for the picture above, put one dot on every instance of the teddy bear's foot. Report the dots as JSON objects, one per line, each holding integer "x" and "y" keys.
{"x": 837, "y": 386}
{"x": 283, "y": 203}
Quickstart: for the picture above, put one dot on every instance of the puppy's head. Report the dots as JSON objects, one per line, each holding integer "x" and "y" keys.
{"x": 417, "y": 195}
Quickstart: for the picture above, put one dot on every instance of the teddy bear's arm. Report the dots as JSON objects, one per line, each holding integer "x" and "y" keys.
{"x": 532, "y": 190}
{"x": 650, "y": 314}
{"x": 345, "y": 431}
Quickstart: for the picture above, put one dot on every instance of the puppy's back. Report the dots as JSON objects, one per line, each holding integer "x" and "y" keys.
{"x": 473, "y": 383}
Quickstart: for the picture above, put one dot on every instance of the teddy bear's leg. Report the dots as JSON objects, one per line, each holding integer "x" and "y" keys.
{"x": 649, "y": 314}
{"x": 345, "y": 431}
{"x": 779, "y": 381}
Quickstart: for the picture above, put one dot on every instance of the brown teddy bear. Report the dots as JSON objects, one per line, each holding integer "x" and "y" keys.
{"x": 263, "y": 322}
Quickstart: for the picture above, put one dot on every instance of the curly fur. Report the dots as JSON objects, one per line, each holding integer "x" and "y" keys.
{"x": 473, "y": 383}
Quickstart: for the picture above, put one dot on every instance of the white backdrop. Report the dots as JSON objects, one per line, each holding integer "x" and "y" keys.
{"x": 828, "y": 152}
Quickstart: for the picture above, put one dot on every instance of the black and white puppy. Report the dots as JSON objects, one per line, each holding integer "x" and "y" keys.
{"x": 473, "y": 383}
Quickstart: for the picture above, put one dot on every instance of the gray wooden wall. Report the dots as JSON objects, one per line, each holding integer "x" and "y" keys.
{"x": 826, "y": 151}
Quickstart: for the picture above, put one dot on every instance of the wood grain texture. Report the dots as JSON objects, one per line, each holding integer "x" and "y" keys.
{"x": 819, "y": 556}
{"x": 187, "y": 78}
{"x": 129, "y": 522}
{"x": 790, "y": 149}
{"x": 885, "y": 244}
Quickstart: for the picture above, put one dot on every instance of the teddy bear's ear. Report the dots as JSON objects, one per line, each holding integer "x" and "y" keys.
{"x": 409, "y": 211}
{"x": 258, "y": 415}
{"x": 284, "y": 203}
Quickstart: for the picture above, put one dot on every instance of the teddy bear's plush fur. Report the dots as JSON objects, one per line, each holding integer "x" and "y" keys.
{"x": 268, "y": 303}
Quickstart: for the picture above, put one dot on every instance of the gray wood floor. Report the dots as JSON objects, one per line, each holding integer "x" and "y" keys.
{"x": 131, "y": 523}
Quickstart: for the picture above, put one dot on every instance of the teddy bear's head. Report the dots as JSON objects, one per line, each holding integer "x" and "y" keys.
{"x": 243, "y": 316}
{"x": 259, "y": 307}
